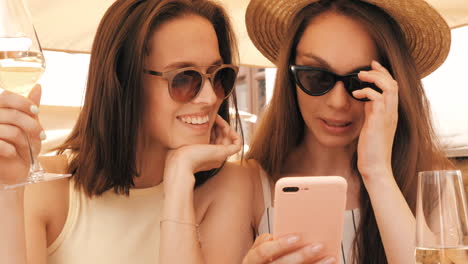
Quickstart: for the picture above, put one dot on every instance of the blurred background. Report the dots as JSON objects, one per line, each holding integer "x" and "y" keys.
{"x": 66, "y": 30}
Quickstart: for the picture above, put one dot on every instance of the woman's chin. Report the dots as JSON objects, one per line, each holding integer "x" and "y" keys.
{"x": 192, "y": 141}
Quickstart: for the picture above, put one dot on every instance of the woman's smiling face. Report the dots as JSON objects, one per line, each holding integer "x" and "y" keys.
{"x": 182, "y": 42}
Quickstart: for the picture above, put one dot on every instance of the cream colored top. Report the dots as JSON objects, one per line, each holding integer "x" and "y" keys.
{"x": 110, "y": 229}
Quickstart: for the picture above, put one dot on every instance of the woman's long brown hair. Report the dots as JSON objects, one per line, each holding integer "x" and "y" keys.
{"x": 103, "y": 143}
{"x": 415, "y": 147}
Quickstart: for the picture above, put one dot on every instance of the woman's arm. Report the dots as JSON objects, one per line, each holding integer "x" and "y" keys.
{"x": 396, "y": 222}
{"x": 18, "y": 118}
{"x": 226, "y": 232}
{"x": 179, "y": 229}
{"x": 12, "y": 242}
{"x": 181, "y": 233}
{"x": 394, "y": 218}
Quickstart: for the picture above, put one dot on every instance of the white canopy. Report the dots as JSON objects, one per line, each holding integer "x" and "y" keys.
{"x": 70, "y": 25}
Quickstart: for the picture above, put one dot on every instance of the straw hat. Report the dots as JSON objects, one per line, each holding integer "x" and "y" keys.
{"x": 426, "y": 32}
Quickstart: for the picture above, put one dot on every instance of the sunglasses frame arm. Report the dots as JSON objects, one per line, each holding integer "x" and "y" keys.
{"x": 153, "y": 72}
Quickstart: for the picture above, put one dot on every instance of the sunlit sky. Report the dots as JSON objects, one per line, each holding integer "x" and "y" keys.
{"x": 447, "y": 88}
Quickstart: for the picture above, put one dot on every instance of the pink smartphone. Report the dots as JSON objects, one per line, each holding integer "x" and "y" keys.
{"x": 312, "y": 207}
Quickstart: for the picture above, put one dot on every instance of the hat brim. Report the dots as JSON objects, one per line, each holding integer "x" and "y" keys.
{"x": 426, "y": 32}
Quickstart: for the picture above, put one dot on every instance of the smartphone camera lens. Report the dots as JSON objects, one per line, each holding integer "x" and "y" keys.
{"x": 290, "y": 189}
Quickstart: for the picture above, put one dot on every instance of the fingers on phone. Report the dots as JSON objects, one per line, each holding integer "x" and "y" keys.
{"x": 271, "y": 250}
{"x": 262, "y": 239}
{"x": 307, "y": 254}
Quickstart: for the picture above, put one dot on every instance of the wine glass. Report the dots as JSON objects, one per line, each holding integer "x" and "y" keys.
{"x": 21, "y": 65}
{"x": 441, "y": 218}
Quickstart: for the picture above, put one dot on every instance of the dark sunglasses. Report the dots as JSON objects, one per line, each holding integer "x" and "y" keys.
{"x": 186, "y": 83}
{"x": 315, "y": 81}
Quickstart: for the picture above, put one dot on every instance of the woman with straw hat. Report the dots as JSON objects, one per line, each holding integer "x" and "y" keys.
{"x": 150, "y": 183}
{"x": 348, "y": 101}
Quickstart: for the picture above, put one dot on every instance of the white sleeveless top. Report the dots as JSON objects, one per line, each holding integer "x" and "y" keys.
{"x": 351, "y": 221}
{"x": 110, "y": 229}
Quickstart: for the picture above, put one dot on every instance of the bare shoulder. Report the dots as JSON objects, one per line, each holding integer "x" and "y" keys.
{"x": 54, "y": 164}
{"x": 46, "y": 203}
{"x": 254, "y": 169}
{"x": 232, "y": 187}
{"x": 223, "y": 207}
{"x": 232, "y": 177}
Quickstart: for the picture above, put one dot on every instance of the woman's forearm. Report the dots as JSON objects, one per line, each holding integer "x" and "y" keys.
{"x": 12, "y": 234}
{"x": 396, "y": 222}
{"x": 179, "y": 241}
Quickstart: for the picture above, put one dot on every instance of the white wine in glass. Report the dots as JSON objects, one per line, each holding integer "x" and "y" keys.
{"x": 20, "y": 70}
{"x": 441, "y": 218}
{"x": 21, "y": 65}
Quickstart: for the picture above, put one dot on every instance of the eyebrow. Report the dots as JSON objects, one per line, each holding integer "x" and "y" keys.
{"x": 183, "y": 64}
{"x": 324, "y": 64}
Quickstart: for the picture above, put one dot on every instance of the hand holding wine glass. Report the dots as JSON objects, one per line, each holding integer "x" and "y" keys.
{"x": 17, "y": 120}
{"x": 21, "y": 65}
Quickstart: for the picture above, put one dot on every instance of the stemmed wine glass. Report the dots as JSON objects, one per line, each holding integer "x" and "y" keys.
{"x": 441, "y": 218}
{"x": 21, "y": 65}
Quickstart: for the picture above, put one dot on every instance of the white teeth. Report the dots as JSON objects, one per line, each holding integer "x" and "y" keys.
{"x": 195, "y": 120}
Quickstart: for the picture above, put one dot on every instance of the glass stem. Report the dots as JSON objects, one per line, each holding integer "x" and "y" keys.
{"x": 36, "y": 170}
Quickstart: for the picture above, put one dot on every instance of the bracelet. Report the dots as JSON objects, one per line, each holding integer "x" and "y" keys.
{"x": 179, "y": 222}
{"x": 183, "y": 223}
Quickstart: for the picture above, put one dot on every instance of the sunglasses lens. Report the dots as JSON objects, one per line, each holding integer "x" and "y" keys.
{"x": 224, "y": 82}
{"x": 315, "y": 82}
{"x": 186, "y": 85}
{"x": 355, "y": 83}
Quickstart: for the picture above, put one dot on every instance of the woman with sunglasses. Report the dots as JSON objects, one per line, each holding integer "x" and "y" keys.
{"x": 348, "y": 101}
{"x": 150, "y": 183}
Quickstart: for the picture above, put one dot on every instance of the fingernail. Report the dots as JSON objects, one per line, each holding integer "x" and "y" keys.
{"x": 329, "y": 260}
{"x": 43, "y": 135}
{"x": 314, "y": 249}
{"x": 34, "y": 109}
{"x": 376, "y": 62}
{"x": 292, "y": 239}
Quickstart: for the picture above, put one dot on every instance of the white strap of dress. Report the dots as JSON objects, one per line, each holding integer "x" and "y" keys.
{"x": 265, "y": 188}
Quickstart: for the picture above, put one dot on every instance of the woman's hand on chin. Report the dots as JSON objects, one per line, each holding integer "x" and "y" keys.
{"x": 191, "y": 159}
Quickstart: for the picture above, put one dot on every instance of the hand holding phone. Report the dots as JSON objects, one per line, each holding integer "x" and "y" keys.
{"x": 312, "y": 207}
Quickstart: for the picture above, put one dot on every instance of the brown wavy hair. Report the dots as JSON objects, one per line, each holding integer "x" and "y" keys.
{"x": 103, "y": 143}
{"x": 415, "y": 146}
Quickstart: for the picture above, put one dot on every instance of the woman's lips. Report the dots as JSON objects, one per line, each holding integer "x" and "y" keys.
{"x": 336, "y": 126}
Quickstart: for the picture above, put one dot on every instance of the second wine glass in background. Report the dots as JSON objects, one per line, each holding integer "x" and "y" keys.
{"x": 441, "y": 218}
